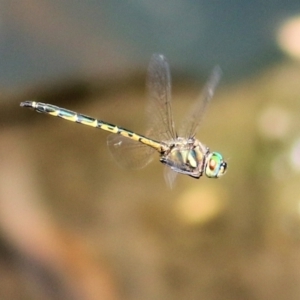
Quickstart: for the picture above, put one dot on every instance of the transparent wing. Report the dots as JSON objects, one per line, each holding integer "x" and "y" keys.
{"x": 129, "y": 154}
{"x": 170, "y": 176}
{"x": 159, "y": 110}
{"x": 194, "y": 117}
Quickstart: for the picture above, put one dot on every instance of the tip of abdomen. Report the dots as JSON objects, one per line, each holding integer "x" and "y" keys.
{"x": 26, "y": 104}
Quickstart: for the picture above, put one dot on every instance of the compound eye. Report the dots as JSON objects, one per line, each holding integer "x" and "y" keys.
{"x": 212, "y": 164}
{"x": 215, "y": 166}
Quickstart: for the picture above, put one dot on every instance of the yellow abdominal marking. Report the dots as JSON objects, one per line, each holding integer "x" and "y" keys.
{"x": 92, "y": 124}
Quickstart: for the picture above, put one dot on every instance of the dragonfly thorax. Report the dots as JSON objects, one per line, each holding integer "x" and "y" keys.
{"x": 186, "y": 156}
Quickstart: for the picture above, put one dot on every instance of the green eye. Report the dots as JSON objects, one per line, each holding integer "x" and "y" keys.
{"x": 215, "y": 166}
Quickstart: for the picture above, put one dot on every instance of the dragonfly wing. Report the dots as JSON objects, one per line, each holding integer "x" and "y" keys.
{"x": 129, "y": 154}
{"x": 170, "y": 176}
{"x": 159, "y": 108}
{"x": 194, "y": 117}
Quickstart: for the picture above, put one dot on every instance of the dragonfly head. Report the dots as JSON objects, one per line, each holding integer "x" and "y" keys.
{"x": 215, "y": 166}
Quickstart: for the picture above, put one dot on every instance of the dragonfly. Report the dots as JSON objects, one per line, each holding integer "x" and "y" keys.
{"x": 181, "y": 152}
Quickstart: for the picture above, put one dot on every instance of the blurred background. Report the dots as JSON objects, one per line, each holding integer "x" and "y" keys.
{"x": 73, "y": 225}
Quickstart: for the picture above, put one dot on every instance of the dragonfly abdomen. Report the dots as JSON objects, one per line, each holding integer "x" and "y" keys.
{"x": 72, "y": 116}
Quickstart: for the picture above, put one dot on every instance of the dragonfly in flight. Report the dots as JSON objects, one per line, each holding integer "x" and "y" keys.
{"x": 181, "y": 153}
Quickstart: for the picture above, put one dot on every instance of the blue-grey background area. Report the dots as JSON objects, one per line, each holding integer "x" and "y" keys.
{"x": 42, "y": 40}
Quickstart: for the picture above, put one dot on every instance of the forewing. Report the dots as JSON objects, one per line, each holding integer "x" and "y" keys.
{"x": 194, "y": 117}
{"x": 159, "y": 110}
{"x": 128, "y": 153}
